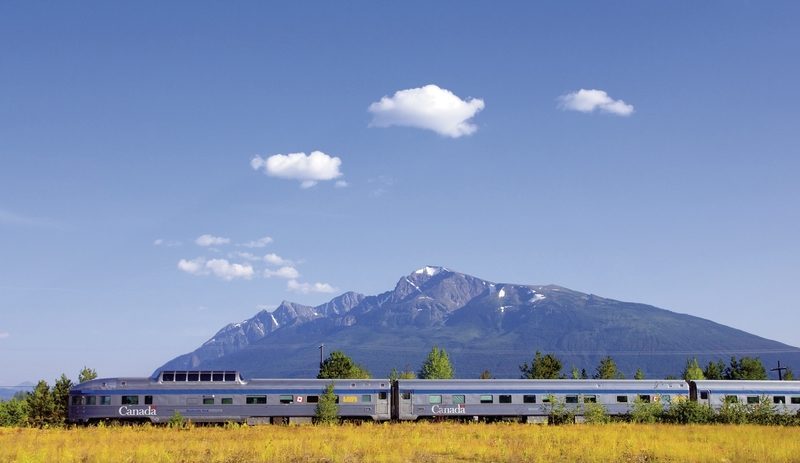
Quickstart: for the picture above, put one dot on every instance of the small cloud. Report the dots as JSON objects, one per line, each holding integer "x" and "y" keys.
{"x": 288, "y": 272}
{"x": 229, "y": 271}
{"x": 275, "y": 259}
{"x": 305, "y": 288}
{"x": 308, "y": 169}
{"x": 259, "y": 243}
{"x": 245, "y": 256}
{"x": 166, "y": 243}
{"x": 210, "y": 240}
{"x": 340, "y": 184}
{"x": 221, "y": 268}
{"x": 429, "y": 107}
{"x": 587, "y": 101}
{"x": 4, "y": 334}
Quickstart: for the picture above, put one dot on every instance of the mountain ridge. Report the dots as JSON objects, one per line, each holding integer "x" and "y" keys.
{"x": 482, "y": 324}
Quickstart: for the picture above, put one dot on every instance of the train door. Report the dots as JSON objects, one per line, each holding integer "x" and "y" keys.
{"x": 406, "y": 410}
{"x": 383, "y": 403}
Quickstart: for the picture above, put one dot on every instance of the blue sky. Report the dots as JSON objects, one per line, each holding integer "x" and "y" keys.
{"x": 130, "y": 131}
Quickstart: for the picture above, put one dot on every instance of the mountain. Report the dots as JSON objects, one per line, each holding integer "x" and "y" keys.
{"x": 6, "y": 393}
{"x": 481, "y": 324}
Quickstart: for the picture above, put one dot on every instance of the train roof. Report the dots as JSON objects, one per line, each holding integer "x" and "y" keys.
{"x": 582, "y": 385}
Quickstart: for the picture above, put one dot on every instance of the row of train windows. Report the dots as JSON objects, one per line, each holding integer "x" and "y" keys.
{"x": 754, "y": 399}
{"x": 312, "y": 399}
{"x": 528, "y": 399}
{"x": 170, "y": 376}
{"x": 250, "y": 400}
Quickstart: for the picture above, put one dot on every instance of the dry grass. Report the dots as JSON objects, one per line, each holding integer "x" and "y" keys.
{"x": 417, "y": 442}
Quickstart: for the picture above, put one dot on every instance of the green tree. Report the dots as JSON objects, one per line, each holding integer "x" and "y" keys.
{"x": 692, "y": 370}
{"x": 607, "y": 369}
{"x": 61, "y": 400}
{"x": 340, "y": 366}
{"x": 394, "y": 375}
{"x": 40, "y": 406}
{"x": 714, "y": 370}
{"x": 745, "y": 368}
{"x": 87, "y": 374}
{"x": 14, "y": 412}
{"x": 486, "y": 374}
{"x": 574, "y": 373}
{"x": 639, "y": 374}
{"x": 788, "y": 375}
{"x": 437, "y": 365}
{"x": 327, "y": 412}
{"x": 542, "y": 367}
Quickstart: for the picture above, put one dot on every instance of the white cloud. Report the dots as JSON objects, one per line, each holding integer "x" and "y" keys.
{"x": 429, "y": 107}
{"x": 228, "y": 271}
{"x": 340, "y": 184}
{"x": 166, "y": 243}
{"x": 259, "y": 243}
{"x": 4, "y": 334}
{"x": 245, "y": 256}
{"x": 305, "y": 288}
{"x": 587, "y": 101}
{"x": 210, "y": 240}
{"x": 308, "y": 169}
{"x": 218, "y": 267}
{"x": 288, "y": 272}
{"x": 194, "y": 266}
{"x": 275, "y": 259}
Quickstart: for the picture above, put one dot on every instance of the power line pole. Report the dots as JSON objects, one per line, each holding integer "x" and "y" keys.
{"x": 322, "y": 354}
{"x": 780, "y": 371}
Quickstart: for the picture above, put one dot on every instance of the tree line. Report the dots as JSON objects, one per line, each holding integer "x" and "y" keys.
{"x": 44, "y": 406}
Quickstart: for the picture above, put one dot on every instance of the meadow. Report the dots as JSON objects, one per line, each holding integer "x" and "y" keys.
{"x": 406, "y": 442}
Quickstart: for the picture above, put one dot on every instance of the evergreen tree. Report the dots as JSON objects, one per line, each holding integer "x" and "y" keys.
{"x": 714, "y": 370}
{"x": 639, "y": 374}
{"x": 437, "y": 365}
{"x": 87, "y": 374}
{"x": 340, "y": 366}
{"x": 61, "y": 400}
{"x": 607, "y": 369}
{"x": 327, "y": 412}
{"x": 486, "y": 375}
{"x": 542, "y": 367}
{"x": 692, "y": 370}
{"x": 584, "y": 375}
{"x": 745, "y": 368}
{"x": 40, "y": 406}
{"x": 14, "y": 412}
{"x": 788, "y": 375}
{"x": 575, "y": 373}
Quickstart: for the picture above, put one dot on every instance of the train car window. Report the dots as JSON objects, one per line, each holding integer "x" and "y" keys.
{"x": 350, "y": 399}
{"x": 529, "y": 399}
{"x": 226, "y": 401}
{"x": 382, "y": 396}
{"x": 366, "y": 398}
{"x": 406, "y": 396}
{"x": 180, "y": 376}
{"x": 779, "y": 399}
{"x": 205, "y": 376}
{"x": 148, "y": 400}
{"x": 571, "y": 399}
{"x": 91, "y": 400}
{"x": 434, "y": 399}
{"x": 286, "y": 399}
{"x": 217, "y": 376}
{"x": 312, "y": 399}
{"x": 644, "y": 398}
{"x": 795, "y": 400}
{"x": 505, "y": 399}
{"x": 546, "y": 399}
{"x": 130, "y": 400}
{"x": 193, "y": 376}
{"x": 622, "y": 399}
{"x": 230, "y": 376}
{"x": 704, "y": 395}
{"x": 458, "y": 399}
{"x": 256, "y": 399}
{"x": 590, "y": 399}
{"x": 77, "y": 400}
{"x": 337, "y": 399}
{"x": 487, "y": 399}
{"x": 752, "y": 399}
{"x": 208, "y": 401}
{"x": 105, "y": 400}
{"x": 168, "y": 376}
{"x": 731, "y": 399}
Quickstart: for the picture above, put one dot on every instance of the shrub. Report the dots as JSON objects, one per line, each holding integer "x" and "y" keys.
{"x": 688, "y": 412}
{"x": 595, "y": 413}
{"x": 327, "y": 411}
{"x": 559, "y": 412}
{"x": 646, "y": 412}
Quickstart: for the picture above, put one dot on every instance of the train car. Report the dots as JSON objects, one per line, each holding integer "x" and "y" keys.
{"x": 784, "y": 395}
{"x": 527, "y": 400}
{"x": 222, "y": 396}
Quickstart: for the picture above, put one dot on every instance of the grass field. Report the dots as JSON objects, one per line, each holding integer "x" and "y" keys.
{"x": 417, "y": 442}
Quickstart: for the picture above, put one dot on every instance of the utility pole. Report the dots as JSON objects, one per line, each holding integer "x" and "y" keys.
{"x": 780, "y": 370}
{"x": 322, "y": 355}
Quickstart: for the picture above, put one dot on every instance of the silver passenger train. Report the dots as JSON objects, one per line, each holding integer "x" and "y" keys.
{"x": 222, "y": 396}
